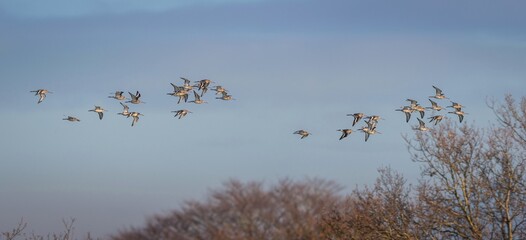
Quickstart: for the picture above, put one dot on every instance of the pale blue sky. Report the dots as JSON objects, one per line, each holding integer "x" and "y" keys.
{"x": 290, "y": 65}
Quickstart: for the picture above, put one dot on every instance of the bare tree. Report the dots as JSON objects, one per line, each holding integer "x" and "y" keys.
{"x": 386, "y": 211}
{"x": 286, "y": 210}
{"x": 473, "y": 184}
{"x": 18, "y": 232}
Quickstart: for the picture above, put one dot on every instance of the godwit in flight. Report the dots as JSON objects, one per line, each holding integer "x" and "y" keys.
{"x": 71, "y": 119}
{"x": 459, "y": 113}
{"x": 118, "y": 95}
{"x": 407, "y": 110}
{"x": 357, "y": 117}
{"x": 345, "y": 132}
{"x": 302, "y": 133}
{"x": 135, "y": 98}
{"x": 421, "y": 125}
{"x": 434, "y": 106}
{"x": 197, "y": 99}
{"x": 436, "y": 118}
{"x": 124, "y": 110}
{"x": 42, "y": 93}
{"x": 98, "y": 110}
{"x": 135, "y": 116}
{"x": 181, "y": 113}
{"x": 438, "y": 94}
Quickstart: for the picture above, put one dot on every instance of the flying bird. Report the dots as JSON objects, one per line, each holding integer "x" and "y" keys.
{"x": 420, "y": 109}
{"x": 118, "y": 95}
{"x": 460, "y": 114}
{"x": 436, "y": 118}
{"x": 181, "y": 113}
{"x": 71, "y": 119}
{"x": 421, "y": 125}
{"x": 219, "y": 89}
{"x": 42, "y": 93}
{"x": 412, "y": 102}
{"x": 345, "y": 132}
{"x": 407, "y": 110}
{"x": 368, "y": 132}
{"x": 456, "y": 106}
{"x": 186, "y": 84}
{"x": 135, "y": 98}
{"x": 135, "y": 116}
{"x": 357, "y": 117}
{"x": 203, "y": 85}
{"x": 434, "y": 106}
{"x": 438, "y": 94}
{"x": 197, "y": 99}
{"x": 226, "y": 97}
{"x": 125, "y": 109}
{"x": 98, "y": 110}
{"x": 180, "y": 92}
{"x": 302, "y": 133}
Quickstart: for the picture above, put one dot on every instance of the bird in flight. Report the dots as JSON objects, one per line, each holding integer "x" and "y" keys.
{"x": 98, "y": 110}
{"x": 71, "y": 119}
{"x": 181, "y": 113}
{"x": 42, "y": 93}
{"x": 438, "y": 94}
{"x": 345, "y": 132}
{"x": 302, "y": 133}
{"x": 357, "y": 117}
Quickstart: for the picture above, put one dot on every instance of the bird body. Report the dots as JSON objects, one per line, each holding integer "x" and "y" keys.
{"x": 135, "y": 116}
{"x": 436, "y": 118}
{"x": 225, "y": 96}
{"x": 357, "y": 117}
{"x": 438, "y": 94}
{"x": 98, "y": 110}
{"x": 460, "y": 114}
{"x": 420, "y": 109}
{"x": 181, "y": 113}
{"x": 434, "y": 106}
{"x": 42, "y": 94}
{"x": 302, "y": 133}
{"x": 219, "y": 90}
{"x": 368, "y": 132}
{"x": 345, "y": 132}
{"x": 421, "y": 125}
{"x": 197, "y": 99}
{"x": 71, "y": 119}
{"x": 456, "y": 106}
{"x": 118, "y": 95}
{"x": 135, "y": 98}
{"x": 125, "y": 111}
{"x": 407, "y": 110}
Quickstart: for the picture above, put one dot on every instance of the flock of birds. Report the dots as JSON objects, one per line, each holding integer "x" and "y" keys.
{"x": 202, "y": 86}
{"x": 181, "y": 92}
{"x": 371, "y": 121}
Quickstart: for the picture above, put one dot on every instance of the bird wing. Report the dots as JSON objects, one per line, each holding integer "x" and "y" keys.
{"x": 407, "y": 116}
{"x": 438, "y": 91}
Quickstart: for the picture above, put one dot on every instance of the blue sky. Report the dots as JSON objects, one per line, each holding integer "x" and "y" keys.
{"x": 290, "y": 65}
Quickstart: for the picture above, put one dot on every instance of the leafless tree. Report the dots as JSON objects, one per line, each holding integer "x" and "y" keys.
{"x": 384, "y": 212}
{"x": 18, "y": 232}
{"x": 473, "y": 184}
{"x": 286, "y": 210}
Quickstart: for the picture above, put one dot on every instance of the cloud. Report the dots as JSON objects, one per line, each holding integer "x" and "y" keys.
{"x": 76, "y": 8}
